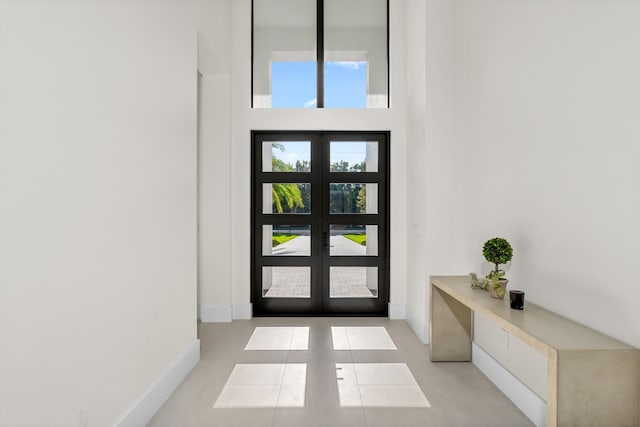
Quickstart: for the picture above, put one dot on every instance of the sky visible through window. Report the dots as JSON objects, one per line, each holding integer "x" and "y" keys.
{"x": 345, "y": 84}
{"x": 293, "y": 84}
{"x": 293, "y": 151}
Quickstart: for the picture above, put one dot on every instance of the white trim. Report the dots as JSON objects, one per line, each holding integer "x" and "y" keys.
{"x": 143, "y": 410}
{"x": 242, "y": 311}
{"x": 524, "y": 398}
{"x": 215, "y": 313}
{"x": 397, "y": 311}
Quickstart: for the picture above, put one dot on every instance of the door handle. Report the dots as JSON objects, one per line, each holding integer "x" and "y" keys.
{"x": 325, "y": 239}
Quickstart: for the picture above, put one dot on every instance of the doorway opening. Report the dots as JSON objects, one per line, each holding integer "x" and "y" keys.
{"x": 320, "y": 223}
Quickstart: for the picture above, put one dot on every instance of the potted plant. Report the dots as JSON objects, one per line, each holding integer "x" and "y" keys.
{"x": 497, "y": 251}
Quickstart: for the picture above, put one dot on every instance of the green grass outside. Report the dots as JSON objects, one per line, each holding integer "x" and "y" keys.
{"x": 279, "y": 239}
{"x": 360, "y": 239}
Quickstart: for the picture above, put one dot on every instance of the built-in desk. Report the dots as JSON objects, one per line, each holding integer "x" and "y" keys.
{"x": 592, "y": 379}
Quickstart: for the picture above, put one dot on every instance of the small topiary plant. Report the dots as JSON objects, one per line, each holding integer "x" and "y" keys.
{"x": 497, "y": 251}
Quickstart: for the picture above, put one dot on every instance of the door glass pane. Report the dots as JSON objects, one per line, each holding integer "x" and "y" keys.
{"x": 353, "y": 240}
{"x": 355, "y": 53}
{"x": 353, "y": 282}
{"x": 286, "y": 198}
{"x": 284, "y": 53}
{"x": 286, "y": 282}
{"x": 354, "y": 156}
{"x": 355, "y": 198}
{"x": 286, "y": 156}
{"x": 286, "y": 240}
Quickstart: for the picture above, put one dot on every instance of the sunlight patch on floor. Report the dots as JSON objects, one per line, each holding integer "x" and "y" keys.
{"x": 361, "y": 338}
{"x": 378, "y": 385}
{"x": 264, "y": 385}
{"x": 279, "y": 338}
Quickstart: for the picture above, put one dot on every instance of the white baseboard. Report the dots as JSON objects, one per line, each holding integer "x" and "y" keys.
{"x": 242, "y": 311}
{"x": 142, "y": 412}
{"x": 420, "y": 328}
{"x": 215, "y": 313}
{"x": 397, "y": 311}
{"x": 526, "y": 400}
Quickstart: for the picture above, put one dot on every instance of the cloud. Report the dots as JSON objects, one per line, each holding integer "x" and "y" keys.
{"x": 350, "y": 65}
{"x": 311, "y": 103}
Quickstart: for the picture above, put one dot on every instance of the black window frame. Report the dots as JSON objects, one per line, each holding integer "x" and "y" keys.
{"x": 320, "y": 55}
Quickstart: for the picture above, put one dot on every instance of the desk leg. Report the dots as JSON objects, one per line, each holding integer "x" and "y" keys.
{"x": 598, "y": 388}
{"x": 449, "y": 328}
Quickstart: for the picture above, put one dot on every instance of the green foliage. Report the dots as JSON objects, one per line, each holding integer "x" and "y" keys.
{"x": 279, "y": 239}
{"x": 361, "y": 202}
{"x": 287, "y": 196}
{"x": 340, "y": 166}
{"x": 296, "y": 198}
{"x": 358, "y": 238}
{"x": 302, "y": 166}
{"x": 347, "y": 198}
{"x": 497, "y": 251}
{"x": 343, "y": 198}
{"x": 344, "y": 166}
{"x": 278, "y": 165}
{"x": 495, "y": 277}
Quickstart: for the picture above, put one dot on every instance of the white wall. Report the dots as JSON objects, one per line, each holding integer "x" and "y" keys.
{"x": 549, "y": 90}
{"x": 435, "y": 233}
{"x": 98, "y": 206}
{"x": 415, "y": 39}
{"x": 214, "y": 259}
{"x": 547, "y": 97}
{"x": 214, "y": 169}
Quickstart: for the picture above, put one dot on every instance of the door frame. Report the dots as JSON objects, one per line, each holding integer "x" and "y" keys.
{"x": 319, "y": 304}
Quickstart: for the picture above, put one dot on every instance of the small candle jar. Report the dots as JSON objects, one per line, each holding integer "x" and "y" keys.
{"x": 517, "y": 299}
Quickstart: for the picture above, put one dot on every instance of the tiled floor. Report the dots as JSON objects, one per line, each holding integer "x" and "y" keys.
{"x": 279, "y": 338}
{"x": 264, "y": 385}
{"x": 329, "y": 387}
{"x": 384, "y": 385}
{"x": 361, "y": 338}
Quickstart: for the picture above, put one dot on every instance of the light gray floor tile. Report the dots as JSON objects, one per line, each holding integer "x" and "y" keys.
{"x": 459, "y": 394}
{"x": 279, "y": 338}
{"x": 319, "y": 417}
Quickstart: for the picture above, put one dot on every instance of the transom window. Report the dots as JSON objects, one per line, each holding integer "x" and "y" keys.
{"x": 320, "y": 54}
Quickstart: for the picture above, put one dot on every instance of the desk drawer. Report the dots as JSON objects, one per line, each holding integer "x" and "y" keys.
{"x": 522, "y": 360}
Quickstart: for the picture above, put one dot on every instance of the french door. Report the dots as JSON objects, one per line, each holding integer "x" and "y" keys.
{"x": 320, "y": 230}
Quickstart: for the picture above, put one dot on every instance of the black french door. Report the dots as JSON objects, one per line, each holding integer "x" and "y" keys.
{"x": 320, "y": 230}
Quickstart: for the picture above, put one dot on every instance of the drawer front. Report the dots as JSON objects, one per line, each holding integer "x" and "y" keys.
{"x": 522, "y": 360}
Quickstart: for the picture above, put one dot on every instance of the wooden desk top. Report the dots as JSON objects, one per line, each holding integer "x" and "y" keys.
{"x": 540, "y": 328}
